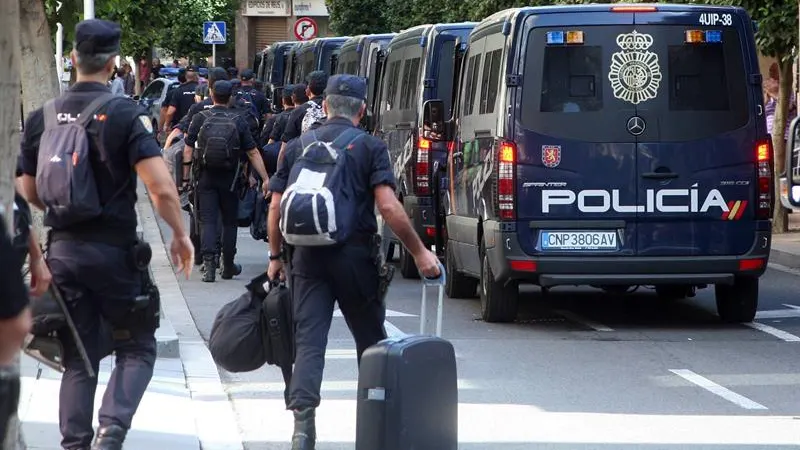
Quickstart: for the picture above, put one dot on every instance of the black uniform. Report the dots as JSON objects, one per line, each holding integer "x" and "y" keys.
{"x": 216, "y": 196}
{"x": 182, "y": 98}
{"x": 279, "y": 126}
{"x": 91, "y": 261}
{"x": 347, "y": 274}
{"x": 294, "y": 124}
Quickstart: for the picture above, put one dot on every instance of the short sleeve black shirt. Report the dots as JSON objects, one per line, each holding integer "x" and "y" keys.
{"x": 182, "y": 100}
{"x": 294, "y": 125}
{"x": 280, "y": 124}
{"x": 371, "y": 168}
{"x": 127, "y": 138}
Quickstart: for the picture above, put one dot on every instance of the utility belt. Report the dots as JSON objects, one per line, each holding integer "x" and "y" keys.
{"x": 108, "y": 236}
{"x": 143, "y": 314}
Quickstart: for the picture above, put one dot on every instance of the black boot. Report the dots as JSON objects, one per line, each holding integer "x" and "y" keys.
{"x": 109, "y": 438}
{"x": 209, "y": 269}
{"x": 305, "y": 430}
{"x": 229, "y": 268}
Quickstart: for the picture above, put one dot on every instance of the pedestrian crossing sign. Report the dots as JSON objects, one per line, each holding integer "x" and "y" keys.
{"x": 214, "y": 33}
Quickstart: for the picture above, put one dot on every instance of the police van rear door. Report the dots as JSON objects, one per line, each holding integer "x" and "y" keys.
{"x": 698, "y": 139}
{"x": 576, "y": 169}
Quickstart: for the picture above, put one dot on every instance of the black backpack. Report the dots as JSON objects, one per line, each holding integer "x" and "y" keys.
{"x": 218, "y": 140}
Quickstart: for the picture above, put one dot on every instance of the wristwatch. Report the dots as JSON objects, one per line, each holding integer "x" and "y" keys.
{"x": 276, "y": 257}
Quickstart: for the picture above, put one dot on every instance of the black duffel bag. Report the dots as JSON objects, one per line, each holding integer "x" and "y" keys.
{"x": 239, "y": 340}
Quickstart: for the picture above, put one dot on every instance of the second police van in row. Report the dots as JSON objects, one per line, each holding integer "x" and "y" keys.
{"x": 420, "y": 65}
{"x": 610, "y": 146}
{"x": 363, "y": 56}
{"x": 316, "y": 54}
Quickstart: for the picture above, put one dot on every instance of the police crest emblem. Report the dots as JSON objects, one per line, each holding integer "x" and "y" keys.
{"x": 635, "y": 73}
{"x": 551, "y": 155}
{"x": 146, "y": 123}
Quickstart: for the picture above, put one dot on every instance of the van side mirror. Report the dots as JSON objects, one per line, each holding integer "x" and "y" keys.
{"x": 792, "y": 174}
{"x": 433, "y": 125}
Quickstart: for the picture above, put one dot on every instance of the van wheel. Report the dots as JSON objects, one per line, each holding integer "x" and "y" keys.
{"x": 458, "y": 285}
{"x": 499, "y": 300}
{"x": 407, "y": 266}
{"x": 671, "y": 292}
{"x": 738, "y": 302}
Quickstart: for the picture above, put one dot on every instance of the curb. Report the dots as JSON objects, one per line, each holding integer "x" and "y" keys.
{"x": 166, "y": 340}
{"x": 215, "y": 420}
{"x": 784, "y": 258}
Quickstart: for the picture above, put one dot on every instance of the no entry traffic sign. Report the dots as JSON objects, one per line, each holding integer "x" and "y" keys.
{"x": 305, "y": 29}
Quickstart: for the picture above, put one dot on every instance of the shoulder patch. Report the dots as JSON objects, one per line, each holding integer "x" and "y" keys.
{"x": 145, "y": 120}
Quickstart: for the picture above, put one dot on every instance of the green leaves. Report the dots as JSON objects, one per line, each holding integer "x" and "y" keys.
{"x": 184, "y": 34}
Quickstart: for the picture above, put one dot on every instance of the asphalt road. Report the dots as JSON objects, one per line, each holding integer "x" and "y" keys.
{"x": 580, "y": 369}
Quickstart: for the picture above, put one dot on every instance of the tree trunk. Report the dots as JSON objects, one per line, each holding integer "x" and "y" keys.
{"x": 9, "y": 140}
{"x": 40, "y": 80}
{"x": 780, "y": 219}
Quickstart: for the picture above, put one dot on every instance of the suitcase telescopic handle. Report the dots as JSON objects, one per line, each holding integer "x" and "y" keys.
{"x": 439, "y": 282}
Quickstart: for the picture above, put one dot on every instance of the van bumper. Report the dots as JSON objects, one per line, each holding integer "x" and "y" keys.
{"x": 510, "y": 263}
{"x": 422, "y": 215}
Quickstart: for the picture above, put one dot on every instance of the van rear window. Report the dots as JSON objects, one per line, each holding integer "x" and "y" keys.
{"x": 580, "y": 91}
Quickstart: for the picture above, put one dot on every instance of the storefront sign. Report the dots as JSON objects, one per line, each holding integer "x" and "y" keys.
{"x": 269, "y": 8}
{"x": 310, "y": 8}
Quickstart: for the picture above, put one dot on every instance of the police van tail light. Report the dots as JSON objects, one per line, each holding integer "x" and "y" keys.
{"x": 764, "y": 175}
{"x": 506, "y": 155}
{"x": 422, "y": 167}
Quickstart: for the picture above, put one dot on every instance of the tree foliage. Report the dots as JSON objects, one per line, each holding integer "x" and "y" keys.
{"x": 354, "y": 17}
{"x": 184, "y": 36}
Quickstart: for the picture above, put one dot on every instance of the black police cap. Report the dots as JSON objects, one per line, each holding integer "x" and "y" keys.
{"x": 247, "y": 74}
{"x": 95, "y": 37}
{"x": 223, "y": 87}
{"x": 348, "y": 86}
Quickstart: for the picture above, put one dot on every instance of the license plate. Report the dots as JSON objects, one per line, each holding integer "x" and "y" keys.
{"x": 579, "y": 240}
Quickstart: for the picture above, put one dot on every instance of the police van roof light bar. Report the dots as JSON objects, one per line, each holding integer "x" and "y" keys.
{"x": 633, "y": 9}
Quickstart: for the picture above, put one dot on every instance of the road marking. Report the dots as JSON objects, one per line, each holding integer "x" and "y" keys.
{"x": 389, "y": 313}
{"x": 715, "y": 388}
{"x": 589, "y": 323}
{"x": 780, "y": 334}
{"x": 392, "y": 330}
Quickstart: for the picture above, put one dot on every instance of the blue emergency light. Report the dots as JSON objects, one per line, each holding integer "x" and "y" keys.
{"x": 555, "y": 37}
{"x": 713, "y": 36}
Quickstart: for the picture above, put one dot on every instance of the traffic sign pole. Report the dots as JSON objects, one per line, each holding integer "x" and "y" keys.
{"x": 213, "y": 55}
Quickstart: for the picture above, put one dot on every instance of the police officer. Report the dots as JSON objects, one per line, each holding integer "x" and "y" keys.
{"x": 248, "y": 85}
{"x": 181, "y": 99}
{"x": 92, "y": 262}
{"x": 163, "y": 123}
{"x": 317, "y": 81}
{"x": 216, "y": 185}
{"x": 347, "y": 274}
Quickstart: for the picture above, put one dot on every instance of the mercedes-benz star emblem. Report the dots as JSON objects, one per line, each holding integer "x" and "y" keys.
{"x": 636, "y": 125}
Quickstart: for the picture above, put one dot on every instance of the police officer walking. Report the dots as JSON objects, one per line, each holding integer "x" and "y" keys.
{"x": 248, "y": 89}
{"x": 317, "y": 81}
{"x": 346, "y": 273}
{"x": 181, "y": 99}
{"x": 94, "y": 255}
{"x": 222, "y": 137}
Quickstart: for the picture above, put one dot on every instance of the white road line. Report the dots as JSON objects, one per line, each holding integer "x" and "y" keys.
{"x": 780, "y": 334}
{"x": 714, "y": 388}
{"x": 589, "y": 323}
{"x": 392, "y": 330}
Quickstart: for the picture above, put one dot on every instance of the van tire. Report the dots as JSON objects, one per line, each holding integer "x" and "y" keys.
{"x": 458, "y": 285}
{"x": 408, "y": 268}
{"x": 737, "y": 302}
{"x": 499, "y": 300}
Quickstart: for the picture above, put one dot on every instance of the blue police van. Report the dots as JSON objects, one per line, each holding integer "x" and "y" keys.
{"x": 316, "y": 54}
{"x": 609, "y": 146}
{"x": 272, "y": 71}
{"x": 363, "y": 56}
{"x": 421, "y": 64}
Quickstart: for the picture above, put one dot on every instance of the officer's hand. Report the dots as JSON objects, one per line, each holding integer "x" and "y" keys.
{"x": 12, "y": 335}
{"x": 275, "y": 269}
{"x": 428, "y": 264}
{"x": 182, "y": 252}
{"x": 265, "y": 188}
{"x": 40, "y": 277}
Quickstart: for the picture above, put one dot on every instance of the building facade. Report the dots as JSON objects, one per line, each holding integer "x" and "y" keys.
{"x": 262, "y": 22}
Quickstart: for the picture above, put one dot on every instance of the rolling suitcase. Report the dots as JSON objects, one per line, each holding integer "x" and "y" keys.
{"x": 408, "y": 391}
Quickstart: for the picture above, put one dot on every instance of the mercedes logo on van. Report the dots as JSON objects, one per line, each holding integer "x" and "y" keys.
{"x": 636, "y": 125}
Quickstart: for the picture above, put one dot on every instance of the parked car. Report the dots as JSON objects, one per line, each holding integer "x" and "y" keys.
{"x": 153, "y": 97}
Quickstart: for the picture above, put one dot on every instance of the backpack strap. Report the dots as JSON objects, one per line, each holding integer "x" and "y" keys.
{"x": 346, "y": 139}
{"x": 307, "y": 139}
{"x": 88, "y": 113}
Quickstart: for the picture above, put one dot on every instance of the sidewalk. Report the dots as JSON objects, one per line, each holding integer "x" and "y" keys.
{"x": 185, "y": 407}
{"x": 786, "y": 247}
